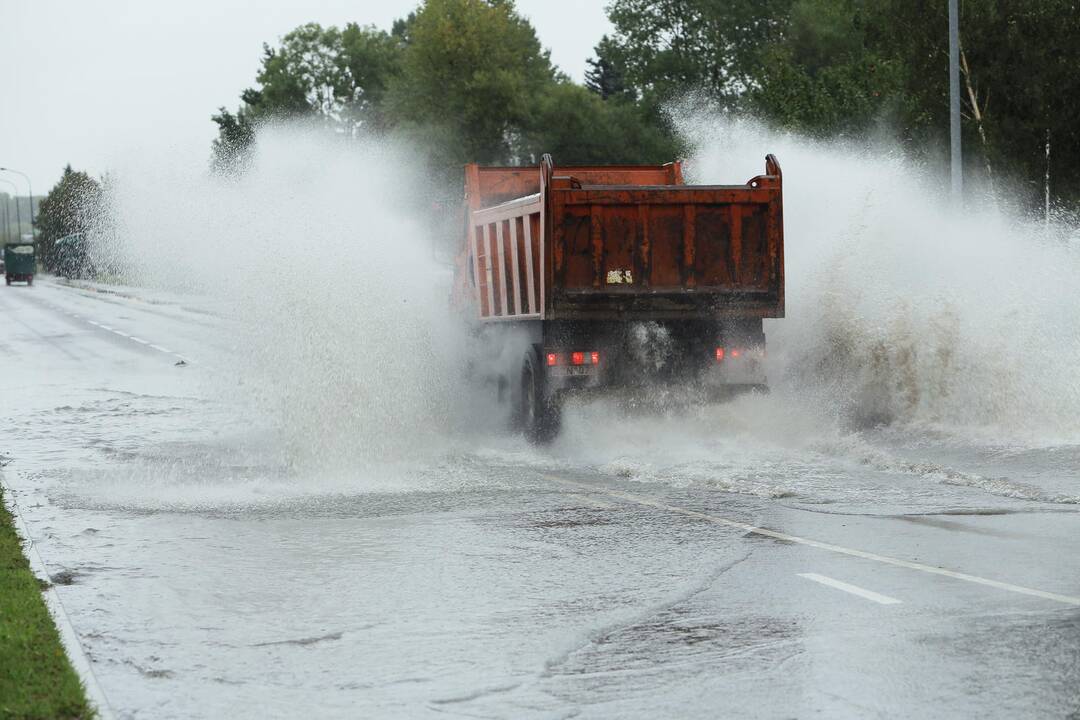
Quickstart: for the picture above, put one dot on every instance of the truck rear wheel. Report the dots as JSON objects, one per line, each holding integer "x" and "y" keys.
{"x": 540, "y": 417}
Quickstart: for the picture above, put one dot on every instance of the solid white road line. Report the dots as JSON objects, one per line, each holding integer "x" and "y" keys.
{"x": 853, "y": 589}
{"x": 649, "y": 502}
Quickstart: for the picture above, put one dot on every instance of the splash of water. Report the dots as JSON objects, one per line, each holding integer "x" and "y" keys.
{"x": 322, "y": 262}
{"x": 901, "y": 309}
{"x": 902, "y": 312}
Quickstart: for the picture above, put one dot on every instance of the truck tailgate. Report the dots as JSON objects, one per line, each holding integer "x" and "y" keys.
{"x": 667, "y": 247}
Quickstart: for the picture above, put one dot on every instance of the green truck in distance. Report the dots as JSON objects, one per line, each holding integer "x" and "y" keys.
{"x": 20, "y": 262}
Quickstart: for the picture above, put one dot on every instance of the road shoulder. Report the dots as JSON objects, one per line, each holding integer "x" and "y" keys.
{"x": 36, "y": 678}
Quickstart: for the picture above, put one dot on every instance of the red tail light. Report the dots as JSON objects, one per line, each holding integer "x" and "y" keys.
{"x": 736, "y": 353}
{"x": 719, "y": 354}
{"x": 578, "y": 357}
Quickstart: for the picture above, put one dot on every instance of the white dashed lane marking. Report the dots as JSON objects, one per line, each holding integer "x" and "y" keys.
{"x": 853, "y": 589}
{"x": 121, "y": 333}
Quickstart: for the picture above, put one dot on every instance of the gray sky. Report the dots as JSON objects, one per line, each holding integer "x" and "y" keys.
{"x": 82, "y": 79}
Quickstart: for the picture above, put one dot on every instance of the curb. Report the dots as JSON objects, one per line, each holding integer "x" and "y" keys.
{"x": 68, "y": 638}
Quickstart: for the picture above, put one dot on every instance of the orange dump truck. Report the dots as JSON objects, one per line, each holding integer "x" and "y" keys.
{"x": 584, "y": 279}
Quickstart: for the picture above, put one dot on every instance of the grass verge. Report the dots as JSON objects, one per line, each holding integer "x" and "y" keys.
{"x": 36, "y": 679}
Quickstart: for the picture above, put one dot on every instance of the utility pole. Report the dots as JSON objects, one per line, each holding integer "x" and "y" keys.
{"x": 18, "y": 215}
{"x": 1046, "y": 186}
{"x": 31, "y": 188}
{"x": 954, "y": 100}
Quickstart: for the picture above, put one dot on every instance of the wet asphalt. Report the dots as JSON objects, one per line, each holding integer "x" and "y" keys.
{"x": 206, "y": 580}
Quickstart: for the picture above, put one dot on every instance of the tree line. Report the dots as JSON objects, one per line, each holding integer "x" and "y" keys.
{"x": 468, "y": 80}
{"x": 859, "y": 67}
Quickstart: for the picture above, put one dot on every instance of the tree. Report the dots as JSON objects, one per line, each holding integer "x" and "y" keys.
{"x": 832, "y": 67}
{"x": 374, "y": 60}
{"x": 338, "y": 76}
{"x": 471, "y": 73}
{"x": 1019, "y": 82}
{"x": 70, "y": 208}
{"x": 824, "y": 76}
{"x": 606, "y": 75}
{"x": 464, "y": 80}
{"x": 236, "y": 133}
{"x": 578, "y": 127}
{"x": 670, "y": 47}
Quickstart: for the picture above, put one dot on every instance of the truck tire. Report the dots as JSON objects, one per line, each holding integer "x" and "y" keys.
{"x": 30, "y": 280}
{"x": 540, "y": 417}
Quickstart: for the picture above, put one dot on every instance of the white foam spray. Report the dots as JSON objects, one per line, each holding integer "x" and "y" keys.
{"x": 902, "y": 313}
{"x": 318, "y": 255}
{"x": 921, "y": 342}
{"x": 902, "y": 309}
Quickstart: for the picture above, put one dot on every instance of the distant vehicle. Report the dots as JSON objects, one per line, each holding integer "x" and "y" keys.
{"x": 583, "y": 279}
{"x": 19, "y": 263}
{"x": 72, "y": 257}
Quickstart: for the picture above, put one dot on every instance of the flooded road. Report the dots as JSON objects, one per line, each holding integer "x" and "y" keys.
{"x": 739, "y": 561}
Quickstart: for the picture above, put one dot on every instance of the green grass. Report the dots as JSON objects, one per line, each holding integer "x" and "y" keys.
{"x": 36, "y": 679}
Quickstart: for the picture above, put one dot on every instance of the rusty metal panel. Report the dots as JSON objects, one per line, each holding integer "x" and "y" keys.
{"x": 616, "y": 256}
{"x": 712, "y": 259}
{"x": 490, "y": 186}
{"x": 573, "y": 248}
{"x": 689, "y": 239}
{"x": 697, "y": 194}
{"x": 495, "y": 185}
{"x": 754, "y": 259}
{"x": 619, "y": 175}
{"x": 665, "y": 230}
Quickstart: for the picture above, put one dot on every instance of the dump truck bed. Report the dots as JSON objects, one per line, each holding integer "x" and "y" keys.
{"x": 617, "y": 243}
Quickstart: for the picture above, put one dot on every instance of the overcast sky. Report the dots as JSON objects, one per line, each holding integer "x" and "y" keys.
{"x": 80, "y": 80}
